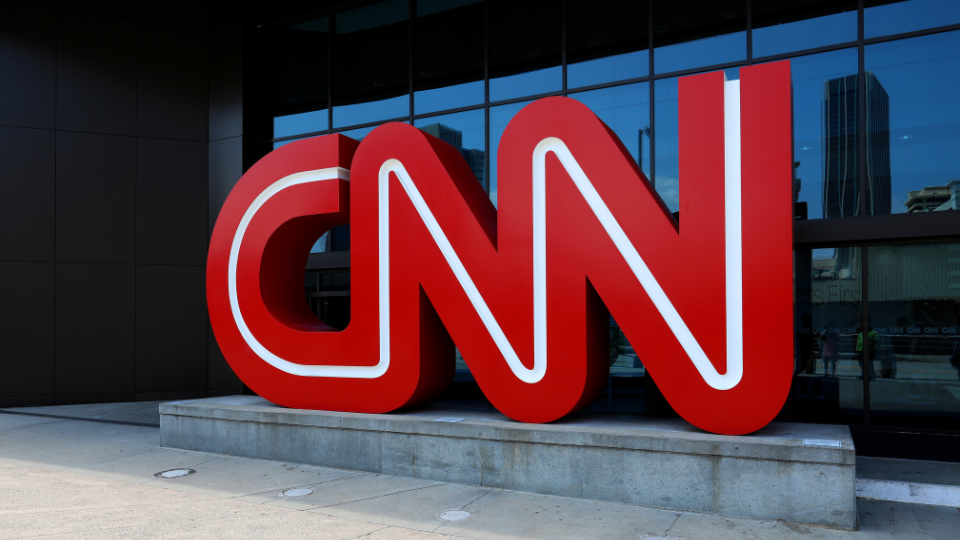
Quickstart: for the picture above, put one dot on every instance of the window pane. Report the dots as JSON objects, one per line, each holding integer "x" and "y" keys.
{"x": 447, "y": 54}
{"x": 606, "y": 41}
{"x": 371, "y": 64}
{"x": 322, "y": 244}
{"x": 825, "y": 144}
{"x": 828, "y": 385}
{"x": 625, "y": 110}
{"x": 524, "y": 48}
{"x": 297, "y": 124}
{"x": 841, "y": 173}
{"x": 667, "y": 139}
{"x": 886, "y": 17}
{"x": 448, "y": 97}
{"x": 465, "y": 132}
{"x": 282, "y": 143}
{"x": 298, "y": 77}
{"x": 781, "y": 26}
{"x": 359, "y": 133}
{"x": 704, "y": 34}
{"x": 499, "y": 118}
{"x": 915, "y": 347}
{"x": 914, "y": 123}
{"x": 667, "y": 143}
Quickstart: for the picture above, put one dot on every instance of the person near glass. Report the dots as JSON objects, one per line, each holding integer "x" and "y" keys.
{"x": 888, "y": 356}
{"x": 809, "y": 340}
{"x": 955, "y": 359}
{"x": 858, "y": 349}
{"x": 830, "y": 341}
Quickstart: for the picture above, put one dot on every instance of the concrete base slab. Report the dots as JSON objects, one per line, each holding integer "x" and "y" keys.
{"x": 909, "y": 471}
{"x": 885, "y": 490}
{"x": 793, "y": 472}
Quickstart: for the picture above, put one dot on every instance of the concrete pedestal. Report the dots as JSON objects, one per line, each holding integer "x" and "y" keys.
{"x": 795, "y": 472}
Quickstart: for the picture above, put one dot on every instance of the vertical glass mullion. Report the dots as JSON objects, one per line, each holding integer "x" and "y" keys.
{"x": 653, "y": 118}
{"x": 563, "y": 47}
{"x": 865, "y": 330}
{"x": 412, "y": 13}
{"x": 862, "y": 175}
{"x": 861, "y": 114}
{"x": 486, "y": 95}
{"x": 331, "y": 43}
{"x": 749, "y": 32}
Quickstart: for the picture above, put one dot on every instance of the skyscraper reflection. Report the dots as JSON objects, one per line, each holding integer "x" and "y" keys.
{"x": 840, "y": 126}
{"x": 475, "y": 158}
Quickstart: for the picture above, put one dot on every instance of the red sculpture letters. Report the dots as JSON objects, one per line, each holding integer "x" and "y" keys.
{"x": 523, "y": 290}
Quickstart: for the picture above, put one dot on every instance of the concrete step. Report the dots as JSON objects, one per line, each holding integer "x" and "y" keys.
{"x": 802, "y": 473}
{"x": 912, "y": 481}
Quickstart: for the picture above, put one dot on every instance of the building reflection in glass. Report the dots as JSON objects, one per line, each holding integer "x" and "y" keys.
{"x": 921, "y": 76}
{"x": 915, "y": 312}
{"x": 474, "y": 157}
{"x": 828, "y": 308}
{"x": 840, "y": 124}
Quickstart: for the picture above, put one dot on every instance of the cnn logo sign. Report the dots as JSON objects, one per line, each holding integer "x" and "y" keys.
{"x": 524, "y": 289}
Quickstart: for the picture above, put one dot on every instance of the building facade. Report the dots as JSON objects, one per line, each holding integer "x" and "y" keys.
{"x": 124, "y": 129}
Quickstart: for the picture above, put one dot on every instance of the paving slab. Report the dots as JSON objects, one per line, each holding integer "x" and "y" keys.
{"x": 66, "y": 444}
{"x": 145, "y": 412}
{"x": 509, "y": 514}
{"x": 416, "y": 509}
{"x": 883, "y": 519}
{"x": 237, "y": 477}
{"x": 396, "y": 533}
{"x": 142, "y": 467}
{"x": 194, "y": 519}
{"x": 348, "y": 489}
{"x": 36, "y": 502}
{"x": 59, "y": 491}
{"x": 12, "y": 421}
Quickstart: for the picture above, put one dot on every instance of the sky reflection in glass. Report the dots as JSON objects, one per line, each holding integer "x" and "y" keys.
{"x": 701, "y": 52}
{"x": 667, "y": 180}
{"x": 809, "y": 74}
{"x": 805, "y": 34}
{"x": 908, "y": 16}
{"x": 298, "y": 124}
{"x": 625, "y": 110}
{"x": 530, "y": 83}
{"x": 465, "y": 132}
{"x": 450, "y": 97}
{"x": 611, "y": 68}
{"x": 921, "y": 77}
{"x": 667, "y": 138}
{"x": 371, "y": 111}
{"x": 499, "y": 118}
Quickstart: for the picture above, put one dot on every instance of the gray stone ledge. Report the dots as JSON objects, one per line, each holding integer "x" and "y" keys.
{"x": 665, "y": 463}
{"x": 779, "y": 441}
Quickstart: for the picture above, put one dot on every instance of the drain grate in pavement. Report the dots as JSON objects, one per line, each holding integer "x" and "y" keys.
{"x": 454, "y": 515}
{"x": 174, "y": 473}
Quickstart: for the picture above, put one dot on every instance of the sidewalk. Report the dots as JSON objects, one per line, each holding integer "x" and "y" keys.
{"x": 62, "y": 477}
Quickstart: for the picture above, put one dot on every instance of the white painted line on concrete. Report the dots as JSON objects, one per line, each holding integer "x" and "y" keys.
{"x": 886, "y": 490}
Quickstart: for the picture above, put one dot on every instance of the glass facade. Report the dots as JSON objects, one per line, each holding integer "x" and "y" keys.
{"x": 876, "y": 131}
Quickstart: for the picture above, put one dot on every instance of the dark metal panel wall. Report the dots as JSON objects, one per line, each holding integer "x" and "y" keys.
{"x": 105, "y": 149}
{"x": 226, "y": 122}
